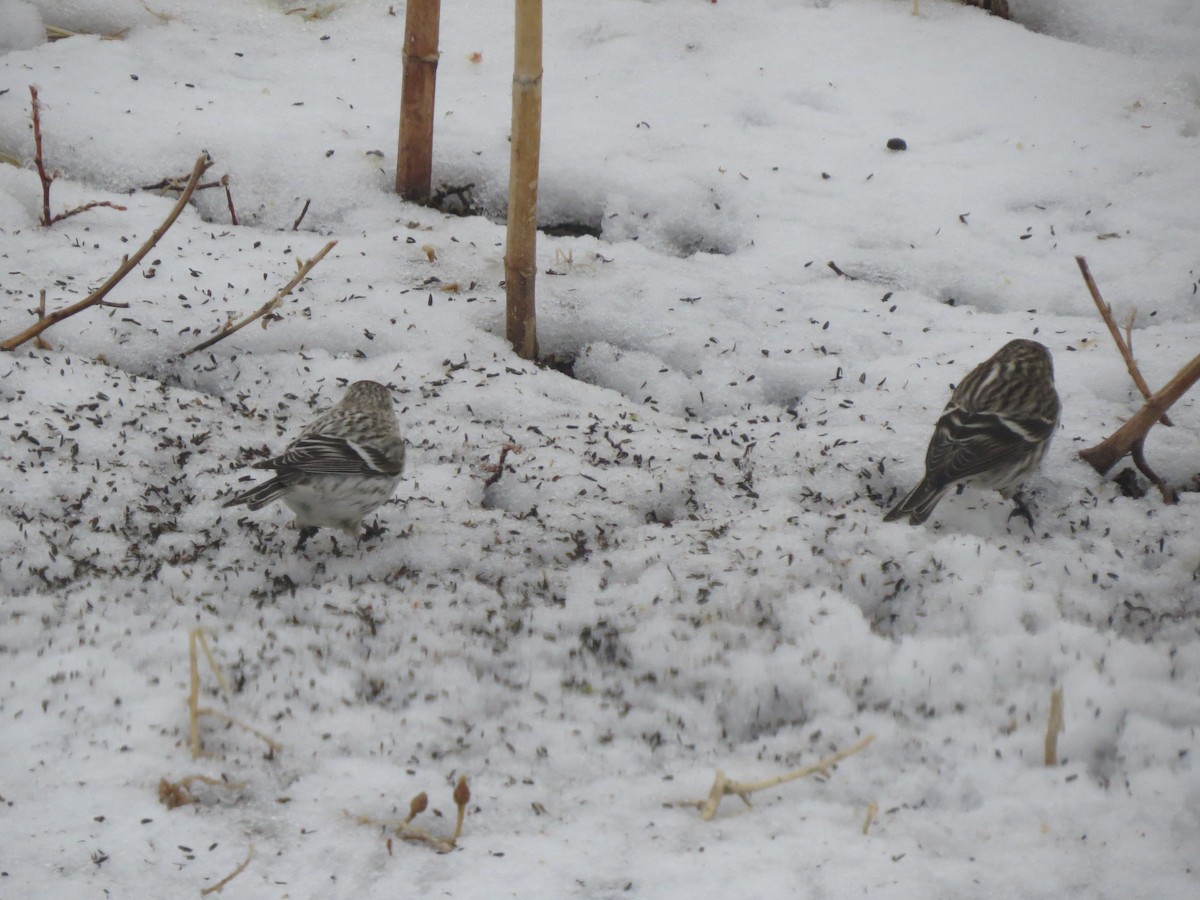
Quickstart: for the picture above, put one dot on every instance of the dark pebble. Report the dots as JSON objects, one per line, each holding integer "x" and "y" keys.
{"x": 897, "y": 144}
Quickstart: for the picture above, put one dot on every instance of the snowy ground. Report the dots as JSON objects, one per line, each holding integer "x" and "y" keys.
{"x": 683, "y": 567}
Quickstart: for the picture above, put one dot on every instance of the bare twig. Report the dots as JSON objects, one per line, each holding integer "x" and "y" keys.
{"x": 838, "y": 271}
{"x": 38, "y": 160}
{"x": 229, "y": 200}
{"x": 723, "y": 787}
{"x": 1054, "y": 726}
{"x": 47, "y": 178}
{"x": 128, "y": 264}
{"x": 220, "y": 885}
{"x": 1104, "y": 455}
{"x": 1124, "y": 348}
{"x": 303, "y": 213}
{"x": 265, "y": 308}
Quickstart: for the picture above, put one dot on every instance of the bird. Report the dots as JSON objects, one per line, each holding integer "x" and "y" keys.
{"x": 343, "y": 466}
{"x": 994, "y": 431}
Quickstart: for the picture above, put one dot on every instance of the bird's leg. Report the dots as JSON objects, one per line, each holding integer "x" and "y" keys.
{"x": 305, "y": 533}
{"x": 1021, "y": 508}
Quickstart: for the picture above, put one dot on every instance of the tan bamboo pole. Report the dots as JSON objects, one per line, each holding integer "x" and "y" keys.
{"x": 520, "y": 255}
{"x": 414, "y": 151}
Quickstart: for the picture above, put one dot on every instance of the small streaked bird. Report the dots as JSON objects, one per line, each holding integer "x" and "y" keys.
{"x": 993, "y": 432}
{"x": 343, "y": 466}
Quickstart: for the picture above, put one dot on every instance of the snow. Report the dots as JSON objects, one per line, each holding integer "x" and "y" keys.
{"x": 682, "y": 566}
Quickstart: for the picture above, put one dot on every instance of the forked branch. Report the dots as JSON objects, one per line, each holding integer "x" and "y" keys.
{"x": 128, "y": 264}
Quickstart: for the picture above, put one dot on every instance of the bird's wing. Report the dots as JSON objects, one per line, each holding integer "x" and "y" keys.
{"x": 323, "y": 454}
{"x": 968, "y": 443}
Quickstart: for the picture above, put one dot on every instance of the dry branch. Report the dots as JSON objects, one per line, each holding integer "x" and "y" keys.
{"x": 414, "y": 151}
{"x": 723, "y": 787}
{"x": 1125, "y": 347}
{"x": 128, "y": 264}
{"x": 47, "y": 178}
{"x": 267, "y": 307}
{"x": 1130, "y": 436}
{"x": 520, "y": 255}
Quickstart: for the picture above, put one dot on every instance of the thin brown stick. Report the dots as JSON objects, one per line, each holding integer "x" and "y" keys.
{"x": 303, "y": 213}
{"x": 128, "y": 264}
{"x": 220, "y": 885}
{"x": 1124, "y": 348}
{"x": 1104, "y": 455}
{"x": 229, "y": 200}
{"x": 267, "y": 307}
{"x": 38, "y": 161}
{"x": 79, "y": 209}
{"x": 414, "y": 149}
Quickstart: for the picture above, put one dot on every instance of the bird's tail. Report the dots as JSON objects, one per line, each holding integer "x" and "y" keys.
{"x": 267, "y": 492}
{"x": 918, "y": 505}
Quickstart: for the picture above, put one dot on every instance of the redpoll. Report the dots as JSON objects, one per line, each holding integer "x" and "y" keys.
{"x": 993, "y": 432}
{"x": 343, "y": 466}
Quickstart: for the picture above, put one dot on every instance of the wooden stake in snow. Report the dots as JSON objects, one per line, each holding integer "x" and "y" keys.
{"x": 414, "y": 153}
{"x": 520, "y": 256}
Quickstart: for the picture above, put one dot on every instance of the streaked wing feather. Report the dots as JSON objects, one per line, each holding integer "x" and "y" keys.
{"x": 967, "y": 444}
{"x": 323, "y": 454}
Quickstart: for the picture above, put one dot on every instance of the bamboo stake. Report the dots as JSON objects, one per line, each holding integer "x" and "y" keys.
{"x": 128, "y": 264}
{"x": 520, "y": 257}
{"x": 414, "y": 152}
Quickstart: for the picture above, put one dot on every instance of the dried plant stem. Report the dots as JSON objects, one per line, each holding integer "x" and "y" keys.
{"x": 1122, "y": 346}
{"x": 414, "y": 151}
{"x": 520, "y": 255}
{"x": 405, "y": 830}
{"x": 871, "y": 816}
{"x": 267, "y": 307}
{"x": 220, "y": 885}
{"x": 196, "y": 639}
{"x": 1054, "y": 726}
{"x": 128, "y": 264}
{"x": 723, "y": 787}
